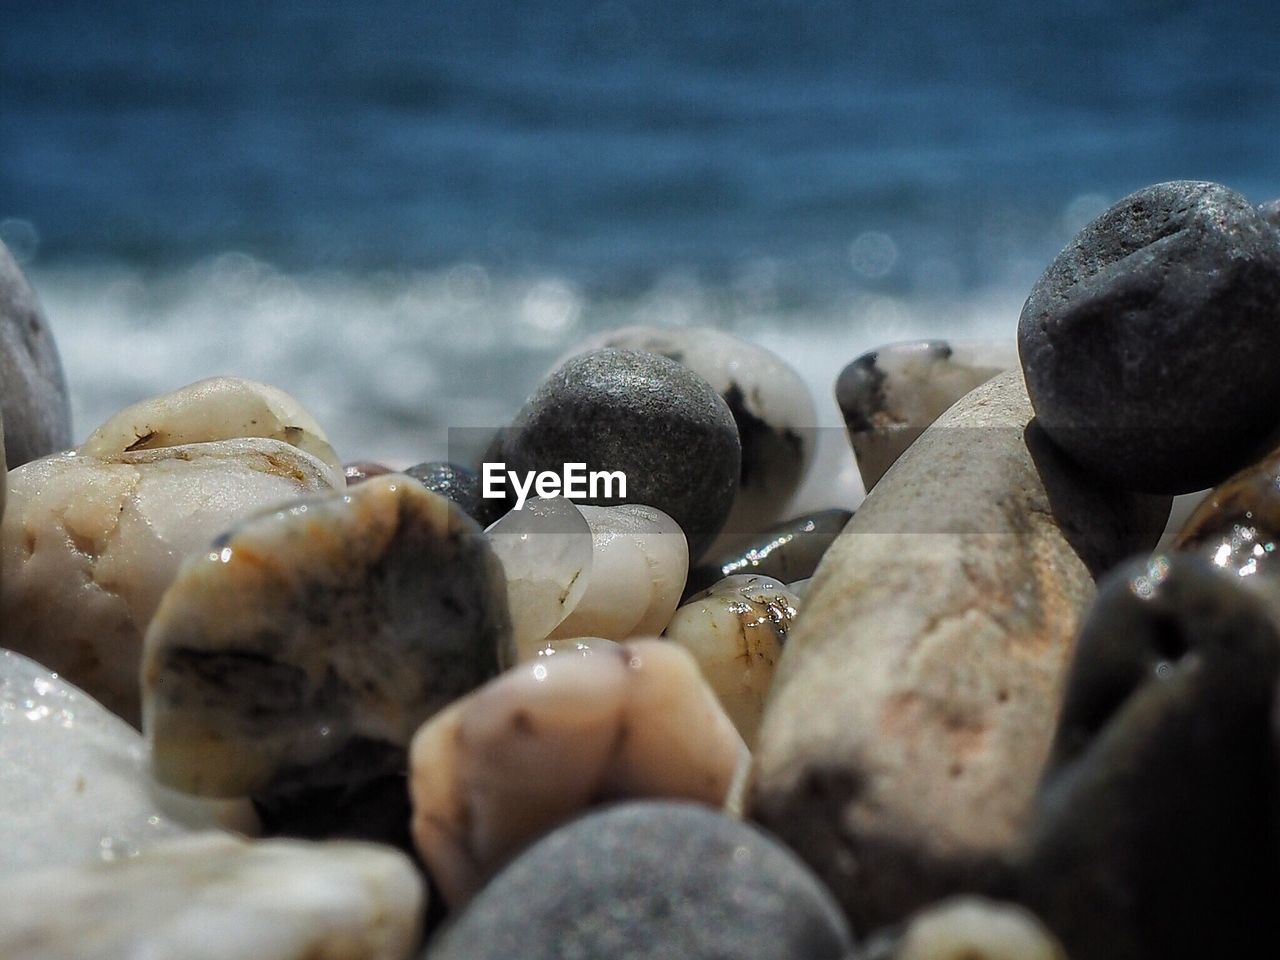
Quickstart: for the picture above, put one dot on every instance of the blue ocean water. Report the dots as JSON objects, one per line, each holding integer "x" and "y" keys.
{"x": 402, "y": 211}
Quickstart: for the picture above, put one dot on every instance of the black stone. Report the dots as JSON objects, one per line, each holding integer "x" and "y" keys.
{"x": 1156, "y": 826}
{"x": 1150, "y": 344}
{"x": 651, "y": 881}
{"x": 786, "y": 551}
{"x": 33, "y": 392}
{"x": 651, "y": 418}
{"x": 462, "y": 486}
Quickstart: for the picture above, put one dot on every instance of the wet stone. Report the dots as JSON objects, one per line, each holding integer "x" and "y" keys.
{"x": 1149, "y": 343}
{"x": 33, "y": 391}
{"x": 306, "y": 646}
{"x": 89, "y": 545}
{"x": 639, "y": 563}
{"x": 651, "y": 881}
{"x": 770, "y": 402}
{"x": 74, "y": 784}
{"x": 653, "y": 419}
{"x": 462, "y": 486}
{"x": 787, "y": 551}
{"x": 546, "y": 553}
{"x": 362, "y": 470}
{"x": 1237, "y": 527}
{"x": 890, "y": 395}
{"x": 219, "y": 898}
{"x": 736, "y": 630}
{"x": 1157, "y": 825}
{"x": 589, "y": 721}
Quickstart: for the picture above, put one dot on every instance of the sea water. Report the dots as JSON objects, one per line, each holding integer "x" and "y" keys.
{"x": 403, "y": 212}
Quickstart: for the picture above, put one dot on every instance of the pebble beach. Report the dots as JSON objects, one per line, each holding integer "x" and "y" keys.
{"x": 788, "y": 482}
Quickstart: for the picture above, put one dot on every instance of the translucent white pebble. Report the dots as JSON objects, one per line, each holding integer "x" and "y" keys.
{"x": 546, "y": 553}
{"x": 639, "y": 564}
{"x": 88, "y": 546}
{"x": 220, "y": 408}
{"x": 736, "y": 630}
{"x": 212, "y": 897}
{"x": 74, "y": 785}
{"x": 969, "y": 928}
{"x": 585, "y": 722}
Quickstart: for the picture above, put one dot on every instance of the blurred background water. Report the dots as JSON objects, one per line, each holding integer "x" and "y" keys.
{"x": 402, "y": 211}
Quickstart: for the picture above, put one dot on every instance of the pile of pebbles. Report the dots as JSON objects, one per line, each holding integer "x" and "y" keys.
{"x": 258, "y": 700}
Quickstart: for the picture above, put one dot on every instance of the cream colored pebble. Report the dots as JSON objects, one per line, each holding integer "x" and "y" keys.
{"x": 736, "y": 631}
{"x": 220, "y": 408}
{"x": 586, "y": 721}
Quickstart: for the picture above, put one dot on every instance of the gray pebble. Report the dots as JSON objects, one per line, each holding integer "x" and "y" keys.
{"x": 33, "y": 393}
{"x": 462, "y": 486}
{"x": 787, "y": 551}
{"x": 769, "y": 400}
{"x": 1149, "y": 345}
{"x": 651, "y": 418}
{"x": 651, "y": 881}
{"x": 1157, "y": 825}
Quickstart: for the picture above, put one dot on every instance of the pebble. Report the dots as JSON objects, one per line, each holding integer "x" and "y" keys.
{"x": 1158, "y": 828}
{"x": 1149, "y": 343}
{"x": 220, "y": 408}
{"x": 74, "y": 785}
{"x": 651, "y": 881}
{"x": 213, "y": 897}
{"x": 639, "y": 563}
{"x": 653, "y": 419}
{"x": 916, "y": 700}
{"x": 588, "y": 721}
{"x": 786, "y": 551}
{"x": 890, "y": 395}
{"x": 33, "y": 391}
{"x": 972, "y": 928}
{"x": 770, "y": 402}
{"x": 546, "y": 553}
{"x": 307, "y": 645}
{"x": 89, "y": 545}
{"x": 736, "y": 631}
{"x": 462, "y": 486}
{"x": 1237, "y": 527}
{"x": 361, "y": 470}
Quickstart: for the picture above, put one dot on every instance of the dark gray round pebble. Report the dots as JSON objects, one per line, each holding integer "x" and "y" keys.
{"x": 1156, "y": 832}
{"x": 1150, "y": 344}
{"x": 651, "y": 881}
{"x": 652, "y": 418}
{"x": 462, "y": 486}
{"x": 33, "y": 392}
{"x": 786, "y": 551}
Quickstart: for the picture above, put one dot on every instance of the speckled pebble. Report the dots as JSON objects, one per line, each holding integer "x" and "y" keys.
{"x": 651, "y": 881}
{"x": 462, "y": 486}
{"x": 1149, "y": 344}
{"x": 653, "y": 419}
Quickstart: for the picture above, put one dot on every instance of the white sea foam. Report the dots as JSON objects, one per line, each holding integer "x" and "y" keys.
{"x": 389, "y": 361}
